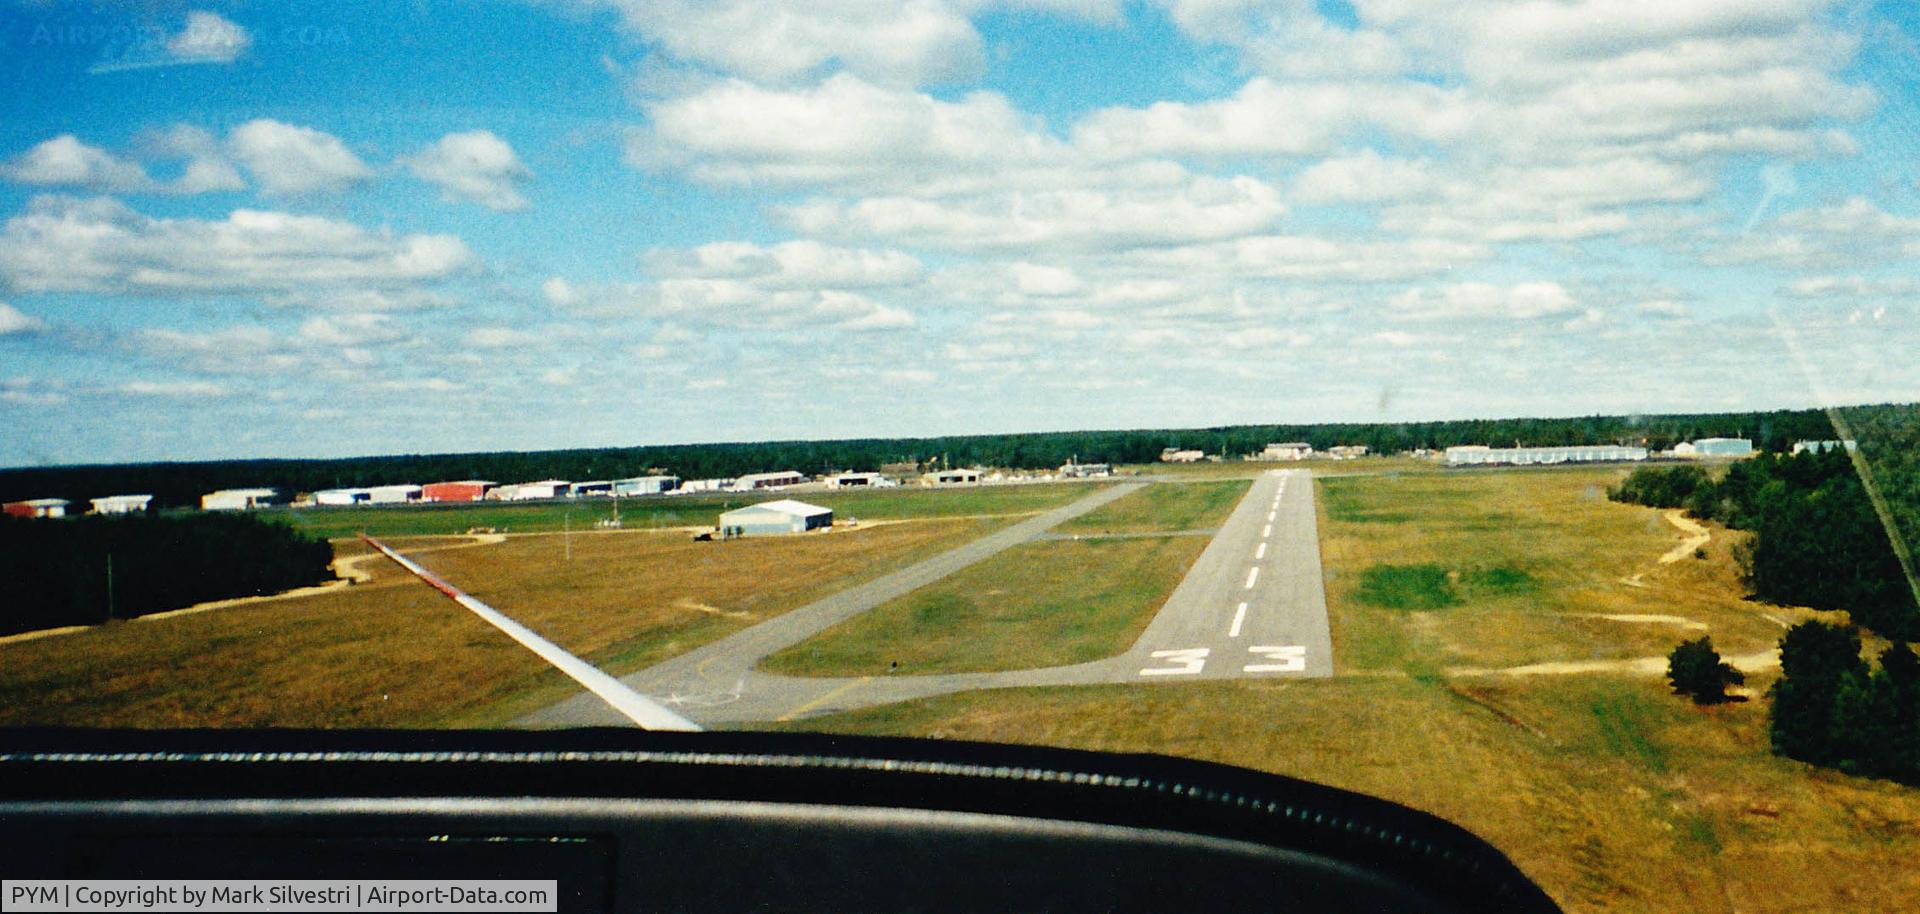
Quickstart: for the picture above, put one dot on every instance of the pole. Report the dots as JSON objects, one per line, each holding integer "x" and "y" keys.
{"x": 109, "y": 586}
{"x": 567, "y": 537}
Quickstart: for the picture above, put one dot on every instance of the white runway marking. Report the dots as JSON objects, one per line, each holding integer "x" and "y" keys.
{"x": 633, "y": 705}
{"x": 1253, "y": 574}
{"x": 1260, "y": 553}
{"x": 1266, "y": 531}
{"x": 1270, "y": 515}
{"x": 1190, "y": 660}
{"x": 1239, "y": 616}
{"x": 1292, "y": 659}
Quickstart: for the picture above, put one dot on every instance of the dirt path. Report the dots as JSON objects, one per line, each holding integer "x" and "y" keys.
{"x": 1697, "y": 537}
{"x": 1633, "y": 666}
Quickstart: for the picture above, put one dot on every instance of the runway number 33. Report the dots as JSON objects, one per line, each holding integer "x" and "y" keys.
{"x": 1285, "y": 658}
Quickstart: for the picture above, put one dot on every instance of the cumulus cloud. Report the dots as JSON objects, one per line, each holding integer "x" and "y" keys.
{"x": 14, "y": 323}
{"x": 475, "y": 165}
{"x": 70, "y": 244}
{"x": 789, "y": 265}
{"x": 64, "y": 160}
{"x": 1203, "y": 208}
{"x": 193, "y": 390}
{"x": 209, "y": 38}
{"x": 908, "y": 42}
{"x": 287, "y": 159}
{"x": 1479, "y": 300}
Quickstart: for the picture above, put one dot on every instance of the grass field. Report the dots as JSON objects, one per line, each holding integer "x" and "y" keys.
{"x": 672, "y": 511}
{"x": 1165, "y": 507}
{"x": 1040, "y": 604}
{"x": 392, "y": 652}
{"x": 1614, "y": 794}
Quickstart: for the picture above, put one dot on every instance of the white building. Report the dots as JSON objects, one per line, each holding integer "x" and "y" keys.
{"x": 646, "y": 485}
{"x": 1084, "y": 470}
{"x": 960, "y": 477}
{"x": 775, "y": 480}
{"x": 121, "y": 504}
{"x": 783, "y": 516}
{"x": 394, "y": 495}
{"x": 1182, "y": 455}
{"x": 335, "y": 498}
{"x": 1286, "y": 450}
{"x": 237, "y": 499}
{"x": 1481, "y": 455}
{"x": 1347, "y": 451}
{"x": 528, "y": 491}
{"x": 1723, "y": 447}
{"x": 593, "y": 489}
{"x": 1820, "y": 447}
{"x": 706, "y": 485}
{"x": 859, "y": 480}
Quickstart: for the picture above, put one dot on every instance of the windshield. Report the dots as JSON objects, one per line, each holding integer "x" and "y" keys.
{"x": 1505, "y": 408}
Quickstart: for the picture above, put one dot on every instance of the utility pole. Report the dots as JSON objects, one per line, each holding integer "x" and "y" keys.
{"x": 567, "y": 536}
{"x": 109, "y": 586}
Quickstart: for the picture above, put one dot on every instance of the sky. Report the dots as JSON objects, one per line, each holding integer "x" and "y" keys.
{"x": 283, "y": 230}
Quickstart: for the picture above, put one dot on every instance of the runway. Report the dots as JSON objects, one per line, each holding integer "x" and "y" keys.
{"x": 1252, "y": 605}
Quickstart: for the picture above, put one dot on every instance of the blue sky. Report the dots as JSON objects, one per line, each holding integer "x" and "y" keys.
{"x": 261, "y": 229}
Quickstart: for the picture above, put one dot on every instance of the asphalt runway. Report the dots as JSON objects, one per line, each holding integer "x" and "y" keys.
{"x": 1252, "y": 605}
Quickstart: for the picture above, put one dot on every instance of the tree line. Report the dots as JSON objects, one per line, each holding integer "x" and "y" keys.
{"x": 182, "y": 484}
{"x": 85, "y": 570}
{"x": 1817, "y": 540}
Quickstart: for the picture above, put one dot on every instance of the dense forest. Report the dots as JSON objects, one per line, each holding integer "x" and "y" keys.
{"x": 57, "y": 573}
{"x": 1817, "y": 540}
{"x": 1830, "y": 707}
{"x": 181, "y": 484}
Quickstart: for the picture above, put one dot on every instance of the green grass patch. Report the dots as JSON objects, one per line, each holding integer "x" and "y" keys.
{"x": 1500, "y": 580}
{"x": 1041, "y": 604}
{"x": 1407, "y": 587}
{"x": 1164, "y": 507}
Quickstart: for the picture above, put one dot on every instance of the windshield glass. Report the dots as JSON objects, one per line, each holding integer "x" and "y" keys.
{"x": 1503, "y": 407}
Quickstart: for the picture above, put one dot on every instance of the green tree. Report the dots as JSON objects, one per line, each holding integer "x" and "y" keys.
{"x": 1696, "y": 670}
{"x": 1816, "y": 659}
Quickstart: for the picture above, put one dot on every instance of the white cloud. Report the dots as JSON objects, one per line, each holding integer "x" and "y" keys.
{"x": 193, "y": 390}
{"x": 894, "y": 41}
{"x": 14, "y": 323}
{"x": 362, "y": 329}
{"x": 209, "y": 38}
{"x": 287, "y": 159}
{"x": 1853, "y": 233}
{"x": 101, "y": 245}
{"x": 476, "y": 166}
{"x": 1202, "y": 209}
{"x": 1850, "y": 287}
{"x": 67, "y": 161}
{"x": 64, "y": 160}
{"x": 1481, "y": 301}
{"x": 789, "y": 265}
{"x": 1363, "y": 177}
{"x": 844, "y": 130}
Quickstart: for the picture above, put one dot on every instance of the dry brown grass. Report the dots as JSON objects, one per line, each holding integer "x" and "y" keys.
{"x": 395, "y": 653}
{"x": 1615, "y": 795}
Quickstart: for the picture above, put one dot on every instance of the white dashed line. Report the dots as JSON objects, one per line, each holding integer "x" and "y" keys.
{"x": 1253, "y": 574}
{"x": 1266, "y": 531}
{"x": 1239, "y": 616}
{"x": 1270, "y": 515}
{"x": 1260, "y": 553}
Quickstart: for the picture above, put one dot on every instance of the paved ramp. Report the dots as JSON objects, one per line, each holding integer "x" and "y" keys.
{"x": 1252, "y": 605}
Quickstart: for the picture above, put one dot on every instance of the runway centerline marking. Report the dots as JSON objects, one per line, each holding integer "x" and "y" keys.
{"x": 1239, "y": 616}
{"x": 1266, "y": 531}
{"x": 1253, "y": 574}
{"x": 1261, "y": 552}
{"x": 1270, "y": 515}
